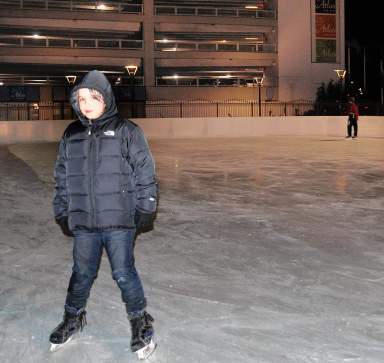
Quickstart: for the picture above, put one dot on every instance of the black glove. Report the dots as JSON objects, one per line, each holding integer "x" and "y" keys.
{"x": 144, "y": 220}
{"x": 63, "y": 223}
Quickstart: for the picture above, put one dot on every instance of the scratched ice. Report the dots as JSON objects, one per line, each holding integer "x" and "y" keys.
{"x": 265, "y": 250}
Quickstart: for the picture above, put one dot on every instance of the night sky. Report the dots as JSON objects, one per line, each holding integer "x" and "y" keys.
{"x": 364, "y": 26}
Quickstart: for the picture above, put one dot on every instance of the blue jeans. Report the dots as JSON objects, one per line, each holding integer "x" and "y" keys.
{"x": 87, "y": 252}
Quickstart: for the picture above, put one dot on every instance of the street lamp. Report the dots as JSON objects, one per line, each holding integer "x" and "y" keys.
{"x": 340, "y": 75}
{"x": 71, "y": 79}
{"x": 259, "y": 81}
{"x": 132, "y": 69}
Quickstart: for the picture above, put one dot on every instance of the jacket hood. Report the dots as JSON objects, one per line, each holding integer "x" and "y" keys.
{"x": 97, "y": 81}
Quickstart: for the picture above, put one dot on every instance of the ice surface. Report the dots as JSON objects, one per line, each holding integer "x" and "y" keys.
{"x": 266, "y": 250}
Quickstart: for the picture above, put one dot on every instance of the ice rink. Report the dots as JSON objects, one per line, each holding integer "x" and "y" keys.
{"x": 265, "y": 250}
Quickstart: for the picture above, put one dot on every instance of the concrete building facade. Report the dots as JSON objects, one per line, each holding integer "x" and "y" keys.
{"x": 183, "y": 50}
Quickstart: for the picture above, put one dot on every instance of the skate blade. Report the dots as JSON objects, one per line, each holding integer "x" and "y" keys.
{"x": 145, "y": 352}
{"x": 56, "y": 347}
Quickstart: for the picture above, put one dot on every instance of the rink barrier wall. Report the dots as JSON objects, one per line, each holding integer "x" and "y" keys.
{"x": 225, "y": 127}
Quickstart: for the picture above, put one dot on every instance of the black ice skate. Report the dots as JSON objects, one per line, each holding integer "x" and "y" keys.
{"x": 65, "y": 331}
{"x": 142, "y": 336}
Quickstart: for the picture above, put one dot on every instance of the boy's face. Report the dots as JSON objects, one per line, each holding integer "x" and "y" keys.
{"x": 91, "y": 104}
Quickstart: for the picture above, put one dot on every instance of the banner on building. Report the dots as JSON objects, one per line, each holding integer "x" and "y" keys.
{"x": 325, "y": 31}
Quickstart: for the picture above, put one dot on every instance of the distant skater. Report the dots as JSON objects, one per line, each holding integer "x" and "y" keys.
{"x": 353, "y": 116}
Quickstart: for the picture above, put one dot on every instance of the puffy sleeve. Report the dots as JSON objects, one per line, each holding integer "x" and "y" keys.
{"x": 144, "y": 172}
{"x": 60, "y": 199}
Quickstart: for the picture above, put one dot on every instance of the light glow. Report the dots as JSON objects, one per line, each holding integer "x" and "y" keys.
{"x": 340, "y": 73}
{"x": 259, "y": 80}
{"x": 131, "y": 69}
{"x": 71, "y": 79}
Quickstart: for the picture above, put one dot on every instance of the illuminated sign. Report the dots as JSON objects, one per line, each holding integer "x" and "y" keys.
{"x": 325, "y": 31}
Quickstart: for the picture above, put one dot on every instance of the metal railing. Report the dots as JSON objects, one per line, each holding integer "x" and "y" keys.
{"x": 214, "y": 46}
{"x": 95, "y": 6}
{"x": 214, "y": 11}
{"x": 52, "y": 80}
{"x": 250, "y": 108}
{"x": 231, "y": 108}
{"x": 180, "y": 109}
{"x": 63, "y": 42}
{"x": 35, "y": 111}
{"x": 209, "y": 81}
{"x": 337, "y": 108}
{"x": 62, "y": 110}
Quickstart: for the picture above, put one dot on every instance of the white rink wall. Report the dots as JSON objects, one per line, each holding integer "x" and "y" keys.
{"x": 226, "y": 127}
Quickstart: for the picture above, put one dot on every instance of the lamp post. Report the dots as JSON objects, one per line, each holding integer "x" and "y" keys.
{"x": 71, "y": 79}
{"x": 132, "y": 69}
{"x": 259, "y": 81}
{"x": 340, "y": 75}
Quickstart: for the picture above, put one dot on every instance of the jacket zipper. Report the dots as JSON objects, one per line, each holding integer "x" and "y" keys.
{"x": 91, "y": 176}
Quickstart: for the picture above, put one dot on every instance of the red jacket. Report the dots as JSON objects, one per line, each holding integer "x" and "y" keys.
{"x": 352, "y": 108}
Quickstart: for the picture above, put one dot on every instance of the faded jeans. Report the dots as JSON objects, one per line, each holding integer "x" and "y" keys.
{"x": 87, "y": 252}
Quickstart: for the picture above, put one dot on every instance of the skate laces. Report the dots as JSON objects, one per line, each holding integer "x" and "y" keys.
{"x": 83, "y": 320}
{"x": 142, "y": 323}
{"x": 147, "y": 329}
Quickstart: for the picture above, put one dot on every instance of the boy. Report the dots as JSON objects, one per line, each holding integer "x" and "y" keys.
{"x": 105, "y": 189}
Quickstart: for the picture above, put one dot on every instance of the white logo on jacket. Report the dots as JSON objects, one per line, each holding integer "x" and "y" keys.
{"x": 109, "y": 133}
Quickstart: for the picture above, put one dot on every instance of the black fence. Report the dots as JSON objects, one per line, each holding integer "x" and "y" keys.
{"x": 160, "y": 109}
{"x": 57, "y": 111}
{"x": 335, "y": 108}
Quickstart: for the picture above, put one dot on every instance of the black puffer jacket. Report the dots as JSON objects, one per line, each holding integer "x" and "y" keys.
{"x": 104, "y": 170}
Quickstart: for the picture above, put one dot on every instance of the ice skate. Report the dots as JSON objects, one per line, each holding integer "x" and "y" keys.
{"x": 67, "y": 329}
{"x": 142, "y": 342}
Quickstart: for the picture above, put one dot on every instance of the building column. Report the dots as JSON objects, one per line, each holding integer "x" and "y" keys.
{"x": 149, "y": 43}
{"x": 46, "y": 103}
